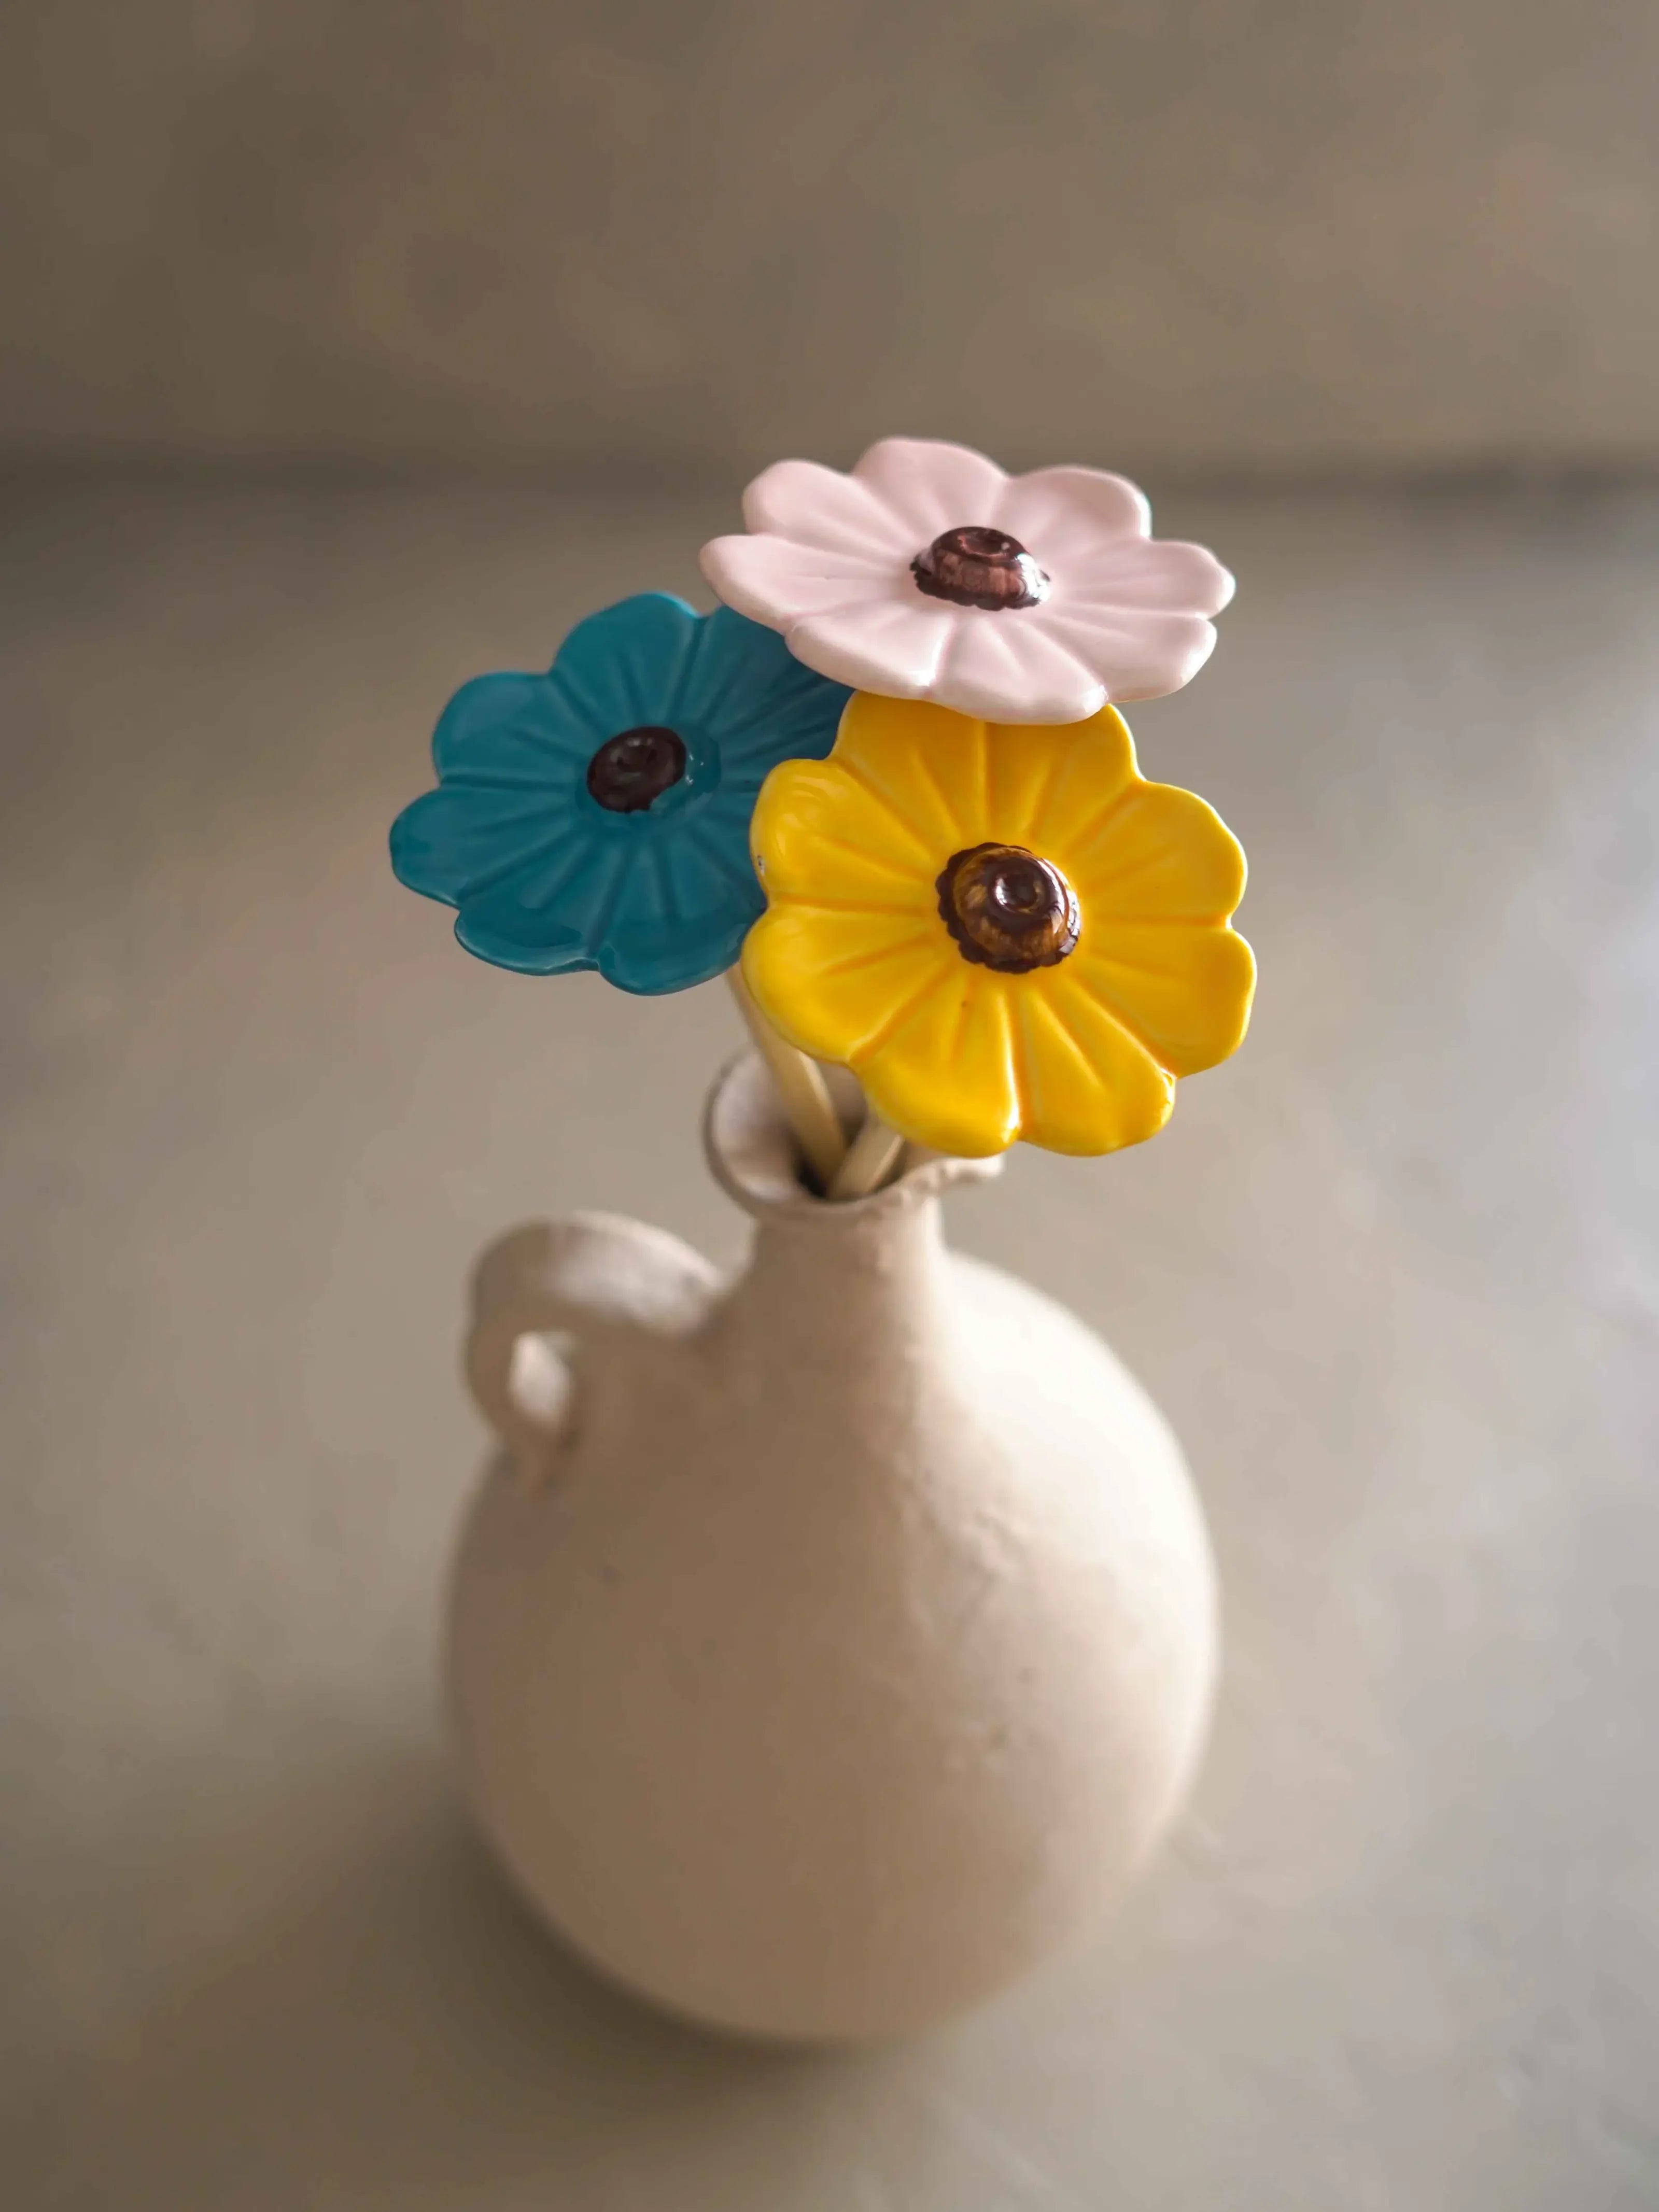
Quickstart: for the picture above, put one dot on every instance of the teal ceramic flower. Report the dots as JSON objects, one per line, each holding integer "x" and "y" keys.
{"x": 598, "y": 816}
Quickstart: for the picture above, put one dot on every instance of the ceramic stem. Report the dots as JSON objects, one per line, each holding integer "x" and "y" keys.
{"x": 871, "y": 1158}
{"x": 801, "y": 1087}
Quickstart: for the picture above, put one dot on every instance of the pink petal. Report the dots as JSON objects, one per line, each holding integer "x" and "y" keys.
{"x": 881, "y": 645}
{"x": 1164, "y": 573}
{"x": 1008, "y": 667}
{"x": 772, "y": 581}
{"x": 931, "y": 485}
{"x": 1067, "y": 511}
{"x": 816, "y": 506}
{"x": 1136, "y": 655}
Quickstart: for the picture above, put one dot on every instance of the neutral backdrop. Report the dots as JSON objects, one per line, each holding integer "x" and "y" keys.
{"x": 1393, "y": 1273}
{"x": 651, "y": 239}
{"x": 349, "y": 349}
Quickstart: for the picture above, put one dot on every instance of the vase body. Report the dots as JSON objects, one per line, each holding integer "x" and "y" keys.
{"x": 832, "y": 1643}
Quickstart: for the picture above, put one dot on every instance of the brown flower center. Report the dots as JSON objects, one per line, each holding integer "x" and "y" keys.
{"x": 1008, "y": 909}
{"x": 975, "y": 567}
{"x": 636, "y": 767}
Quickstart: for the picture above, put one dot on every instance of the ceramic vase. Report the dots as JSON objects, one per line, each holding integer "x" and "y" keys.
{"x": 830, "y": 1643}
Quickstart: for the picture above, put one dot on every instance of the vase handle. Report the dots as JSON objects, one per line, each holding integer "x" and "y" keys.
{"x": 545, "y": 1293}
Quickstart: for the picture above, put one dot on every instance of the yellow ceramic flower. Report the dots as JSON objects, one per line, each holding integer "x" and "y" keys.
{"x": 1003, "y": 928}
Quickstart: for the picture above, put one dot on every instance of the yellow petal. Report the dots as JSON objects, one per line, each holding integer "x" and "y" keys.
{"x": 1094, "y": 765}
{"x": 1160, "y": 854}
{"x": 853, "y": 962}
{"x": 819, "y": 834}
{"x": 830, "y": 979}
{"x": 1086, "y": 1084}
{"x": 925, "y": 765}
{"x": 943, "y": 1074}
{"x": 1023, "y": 761}
{"x": 1184, "y": 990}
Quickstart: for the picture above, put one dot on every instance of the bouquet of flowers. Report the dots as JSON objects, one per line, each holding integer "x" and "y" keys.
{"x": 885, "y": 788}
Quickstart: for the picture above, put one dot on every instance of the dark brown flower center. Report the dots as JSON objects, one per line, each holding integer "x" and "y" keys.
{"x": 636, "y": 767}
{"x": 976, "y": 567}
{"x": 1008, "y": 909}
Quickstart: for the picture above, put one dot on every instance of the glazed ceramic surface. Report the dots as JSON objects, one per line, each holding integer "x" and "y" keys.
{"x": 596, "y": 815}
{"x": 928, "y": 573}
{"x": 1004, "y": 930}
{"x": 830, "y": 1644}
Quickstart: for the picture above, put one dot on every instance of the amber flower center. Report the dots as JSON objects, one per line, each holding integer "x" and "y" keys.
{"x": 636, "y": 767}
{"x": 1007, "y": 908}
{"x": 975, "y": 567}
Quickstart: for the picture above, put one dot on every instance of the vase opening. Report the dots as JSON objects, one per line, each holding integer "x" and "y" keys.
{"x": 755, "y": 1159}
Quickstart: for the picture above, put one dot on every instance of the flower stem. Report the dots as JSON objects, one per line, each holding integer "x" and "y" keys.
{"x": 807, "y": 1102}
{"x": 871, "y": 1158}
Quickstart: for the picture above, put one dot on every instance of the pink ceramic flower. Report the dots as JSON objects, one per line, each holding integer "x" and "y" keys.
{"x": 929, "y": 574}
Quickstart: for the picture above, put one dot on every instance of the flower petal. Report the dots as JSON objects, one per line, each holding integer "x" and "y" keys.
{"x": 651, "y": 964}
{"x": 931, "y": 485}
{"x": 745, "y": 693}
{"x": 815, "y": 506}
{"x": 1164, "y": 574}
{"x": 550, "y": 913}
{"x": 891, "y": 642}
{"x": 1161, "y": 854}
{"x": 1183, "y": 990}
{"x": 683, "y": 920}
{"x": 1008, "y": 666}
{"x": 1137, "y": 655}
{"x": 1096, "y": 766}
{"x": 944, "y": 1074}
{"x": 462, "y": 836}
{"x": 1068, "y": 511}
{"x": 854, "y": 962}
{"x": 829, "y": 565}
{"x": 546, "y": 880}
{"x": 1086, "y": 1084}
{"x": 821, "y": 834}
{"x": 924, "y": 763}
{"x": 774, "y": 580}
{"x": 1022, "y": 763}
{"x": 832, "y": 981}
{"x": 623, "y": 667}
{"x": 510, "y": 729}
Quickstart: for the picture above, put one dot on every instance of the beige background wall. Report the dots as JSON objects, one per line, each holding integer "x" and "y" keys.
{"x": 644, "y": 238}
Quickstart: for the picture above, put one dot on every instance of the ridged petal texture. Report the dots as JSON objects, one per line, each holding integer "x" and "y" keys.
{"x": 828, "y": 559}
{"x": 854, "y": 962}
{"x": 545, "y": 878}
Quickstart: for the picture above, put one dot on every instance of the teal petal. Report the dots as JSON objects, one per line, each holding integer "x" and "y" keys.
{"x": 510, "y": 730}
{"x": 766, "y": 705}
{"x": 623, "y": 667}
{"x": 553, "y": 910}
{"x": 685, "y": 918}
{"x": 545, "y": 878}
{"x": 456, "y": 841}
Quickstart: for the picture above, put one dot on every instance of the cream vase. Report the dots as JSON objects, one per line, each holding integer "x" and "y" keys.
{"x": 829, "y": 1644}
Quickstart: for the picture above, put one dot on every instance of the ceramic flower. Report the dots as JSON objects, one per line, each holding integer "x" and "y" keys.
{"x": 598, "y": 816}
{"x": 929, "y": 574}
{"x": 1003, "y": 929}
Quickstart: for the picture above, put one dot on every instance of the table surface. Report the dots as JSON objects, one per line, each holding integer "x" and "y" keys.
{"x": 1394, "y": 1272}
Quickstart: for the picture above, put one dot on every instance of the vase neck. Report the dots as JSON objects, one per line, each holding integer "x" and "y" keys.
{"x": 832, "y": 1291}
{"x": 852, "y": 1286}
